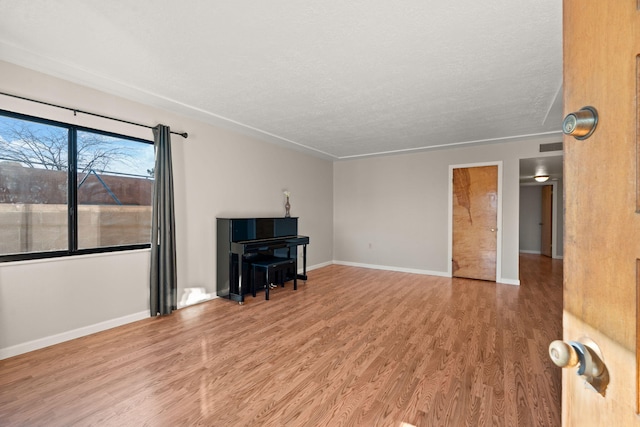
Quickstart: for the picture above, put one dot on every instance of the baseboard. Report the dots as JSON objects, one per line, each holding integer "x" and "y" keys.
{"x": 509, "y": 282}
{"x": 415, "y": 271}
{"x": 70, "y": 335}
{"x": 399, "y": 269}
{"x": 316, "y": 266}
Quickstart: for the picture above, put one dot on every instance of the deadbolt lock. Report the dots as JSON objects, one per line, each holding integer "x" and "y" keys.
{"x": 581, "y": 124}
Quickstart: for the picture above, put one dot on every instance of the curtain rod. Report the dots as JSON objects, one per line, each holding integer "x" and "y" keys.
{"x": 75, "y": 111}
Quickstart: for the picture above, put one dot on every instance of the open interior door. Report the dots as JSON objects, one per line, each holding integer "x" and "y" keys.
{"x": 602, "y": 234}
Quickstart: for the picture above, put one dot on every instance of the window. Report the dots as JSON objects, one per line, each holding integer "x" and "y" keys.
{"x": 68, "y": 190}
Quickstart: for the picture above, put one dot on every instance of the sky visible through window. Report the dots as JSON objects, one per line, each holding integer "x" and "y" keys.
{"x": 45, "y": 146}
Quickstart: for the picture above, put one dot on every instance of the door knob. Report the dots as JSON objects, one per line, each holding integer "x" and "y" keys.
{"x": 563, "y": 354}
{"x": 584, "y": 354}
{"x": 580, "y": 124}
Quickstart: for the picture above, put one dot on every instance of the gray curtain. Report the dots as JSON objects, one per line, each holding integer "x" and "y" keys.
{"x": 164, "y": 286}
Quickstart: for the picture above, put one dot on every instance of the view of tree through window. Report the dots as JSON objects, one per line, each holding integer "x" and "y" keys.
{"x": 42, "y": 210}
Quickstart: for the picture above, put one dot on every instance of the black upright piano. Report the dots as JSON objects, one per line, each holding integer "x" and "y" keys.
{"x": 241, "y": 240}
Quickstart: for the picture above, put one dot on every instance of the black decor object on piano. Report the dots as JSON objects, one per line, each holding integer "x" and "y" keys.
{"x": 242, "y": 240}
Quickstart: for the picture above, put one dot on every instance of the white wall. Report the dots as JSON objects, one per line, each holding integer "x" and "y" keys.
{"x": 392, "y": 212}
{"x": 218, "y": 172}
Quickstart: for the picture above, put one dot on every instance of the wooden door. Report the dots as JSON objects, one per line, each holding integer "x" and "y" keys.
{"x": 475, "y": 198}
{"x": 546, "y": 222}
{"x": 602, "y": 223}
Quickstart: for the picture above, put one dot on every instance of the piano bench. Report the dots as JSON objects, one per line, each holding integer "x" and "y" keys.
{"x": 271, "y": 268}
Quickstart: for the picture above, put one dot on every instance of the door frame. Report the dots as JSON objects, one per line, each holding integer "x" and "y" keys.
{"x": 557, "y": 205}
{"x": 498, "y": 220}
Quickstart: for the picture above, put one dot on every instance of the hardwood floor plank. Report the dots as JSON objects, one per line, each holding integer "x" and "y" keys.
{"x": 351, "y": 347}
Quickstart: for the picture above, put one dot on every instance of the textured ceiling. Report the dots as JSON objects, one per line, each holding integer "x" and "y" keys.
{"x": 338, "y": 78}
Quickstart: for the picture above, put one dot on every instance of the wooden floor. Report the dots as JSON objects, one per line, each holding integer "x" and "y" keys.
{"x": 352, "y": 346}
